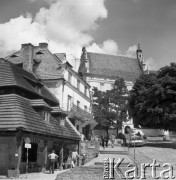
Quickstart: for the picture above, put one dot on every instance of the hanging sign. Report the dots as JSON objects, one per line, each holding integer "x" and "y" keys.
{"x": 28, "y": 146}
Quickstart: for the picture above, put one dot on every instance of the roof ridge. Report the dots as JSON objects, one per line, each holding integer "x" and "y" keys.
{"x": 113, "y": 55}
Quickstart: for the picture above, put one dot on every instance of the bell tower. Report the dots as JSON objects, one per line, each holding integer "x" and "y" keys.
{"x": 140, "y": 58}
{"x": 139, "y": 54}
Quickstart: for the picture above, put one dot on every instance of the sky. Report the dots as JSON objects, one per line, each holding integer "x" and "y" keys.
{"x": 103, "y": 26}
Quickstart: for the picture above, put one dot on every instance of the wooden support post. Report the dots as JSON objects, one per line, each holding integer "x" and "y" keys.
{"x": 45, "y": 156}
{"x": 61, "y": 156}
{"x": 19, "y": 142}
{"x": 79, "y": 151}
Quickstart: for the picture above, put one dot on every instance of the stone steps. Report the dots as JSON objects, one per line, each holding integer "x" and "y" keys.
{"x": 114, "y": 152}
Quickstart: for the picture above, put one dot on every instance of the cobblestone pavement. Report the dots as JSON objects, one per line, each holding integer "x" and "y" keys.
{"x": 164, "y": 152}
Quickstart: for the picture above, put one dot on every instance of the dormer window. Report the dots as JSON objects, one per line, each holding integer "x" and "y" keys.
{"x": 14, "y": 55}
{"x": 38, "y": 89}
{"x": 20, "y": 65}
{"x": 40, "y": 52}
{"x": 47, "y": 115}
{"x": 62, "y": 121}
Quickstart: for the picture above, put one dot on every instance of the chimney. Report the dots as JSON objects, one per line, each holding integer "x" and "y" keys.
{"x": 27, "y": 54}
{"x": 43, "y": 45}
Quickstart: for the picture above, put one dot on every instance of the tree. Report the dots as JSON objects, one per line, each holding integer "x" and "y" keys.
{"x": 110, "y": 107}
{"x": 153, "y": 99}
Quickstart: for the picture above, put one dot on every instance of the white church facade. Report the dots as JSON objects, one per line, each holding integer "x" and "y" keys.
{"x": 101, "y": 71}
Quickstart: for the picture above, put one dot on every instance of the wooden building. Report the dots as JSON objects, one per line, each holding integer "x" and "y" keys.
{"x": 29, "y": 109}
{"x": 72, "y": 91}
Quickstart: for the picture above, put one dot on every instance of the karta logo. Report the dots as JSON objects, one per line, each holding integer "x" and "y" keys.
{"x": 110, "y": 168}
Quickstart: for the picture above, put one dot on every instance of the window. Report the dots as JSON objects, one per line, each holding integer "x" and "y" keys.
{"x": 78, "y": 84}
{"x": 38, "y": 89}
{"x": 85, "y": 90}
{"x": 85, "y": 108}
{"x": 62, "y": 121}
{"x": 47, "y": 116}
{"x": 77, "y": 127}
{"x": 78, "y": 103}
{"x": 20, "y": 65}
{"x": 69, "y": 103}
{"x": 69, "y": 77}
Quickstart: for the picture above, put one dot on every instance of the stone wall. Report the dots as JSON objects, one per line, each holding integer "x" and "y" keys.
{"x": 90, "y": 149}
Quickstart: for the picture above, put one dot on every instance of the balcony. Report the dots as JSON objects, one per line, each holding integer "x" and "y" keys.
{"x": 79, "y": 114}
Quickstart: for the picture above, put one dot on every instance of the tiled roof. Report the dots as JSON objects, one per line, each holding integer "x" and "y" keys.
{"x": 17, "y": 112}
{"x": 12, "y": 75}
{"x": 46, "y": 93}
{"x": 39, "y": 103}
{"x": 58, "y": 110}
{"x": 109, "y": 66}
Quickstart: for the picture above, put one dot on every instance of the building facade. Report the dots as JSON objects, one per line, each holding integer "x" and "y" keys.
{"x": 101, "y": 70}
{"x": 72, "y": 91}
{"x": 28, "y": 110}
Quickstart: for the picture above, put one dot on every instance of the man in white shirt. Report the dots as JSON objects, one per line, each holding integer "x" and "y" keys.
{"x": 52, "y": 158}
{"x": 75, "y": 156}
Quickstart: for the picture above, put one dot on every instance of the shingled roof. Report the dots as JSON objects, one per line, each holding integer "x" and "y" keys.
{"x": 110, "y": 66}
{"x": 12, "y": 75}
{"x": 17, "y": 112}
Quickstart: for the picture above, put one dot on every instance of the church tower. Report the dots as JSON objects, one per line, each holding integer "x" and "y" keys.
{"x": 84, "y": 64}
{"x": 140, "y": 57}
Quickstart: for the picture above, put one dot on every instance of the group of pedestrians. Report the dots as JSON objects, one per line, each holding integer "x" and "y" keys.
{"x": 105, "y": 140}
{"x": 70, "y": 162}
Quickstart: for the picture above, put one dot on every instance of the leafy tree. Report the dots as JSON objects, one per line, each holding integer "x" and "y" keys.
{"x": 110, "y": 107}
{"x": 153, "y": 99}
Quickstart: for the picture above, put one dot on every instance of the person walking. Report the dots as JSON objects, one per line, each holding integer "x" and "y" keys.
{"x": 53, "y": 157}
{"x": 103, "y": 141}
{"x": 106, "y": 140}
{"x": 112, "y": 140}
{"x": 75, "y": 156}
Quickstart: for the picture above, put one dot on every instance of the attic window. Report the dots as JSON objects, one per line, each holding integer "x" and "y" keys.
{"x": 47, "y": 115}
{"x": 39, "y": 52}
{"x": 20, "y": 65}
{"x": 38, "y": 89}
{"x": 14, "y": 55}
{"x": 62, "y": 121}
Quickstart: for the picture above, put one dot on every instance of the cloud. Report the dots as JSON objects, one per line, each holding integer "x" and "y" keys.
{"x": 131, "y": 52}
{"x": 65, "y": 25}
{"x": 151, "y": 64}
{"x": 107, "y": 47}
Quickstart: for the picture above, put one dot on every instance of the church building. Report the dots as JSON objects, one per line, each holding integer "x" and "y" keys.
{"x": 101, "y": 70}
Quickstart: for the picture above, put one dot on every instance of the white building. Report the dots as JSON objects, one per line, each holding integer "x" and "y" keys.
{"x": 101, "y": 70}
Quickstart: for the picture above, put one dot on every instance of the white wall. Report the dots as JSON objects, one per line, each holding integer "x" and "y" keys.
{"x": 105, "y": 84}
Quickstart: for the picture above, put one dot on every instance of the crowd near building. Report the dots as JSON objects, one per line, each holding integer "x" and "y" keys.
{"x": 42, "y": 98}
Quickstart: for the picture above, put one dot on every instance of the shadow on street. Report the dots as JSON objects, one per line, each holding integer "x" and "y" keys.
{"x": 161, "y": 145}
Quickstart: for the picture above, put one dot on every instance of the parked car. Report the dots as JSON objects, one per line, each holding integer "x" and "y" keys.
{"x": 134, "y": 138}
{"x": 136, "y": 141}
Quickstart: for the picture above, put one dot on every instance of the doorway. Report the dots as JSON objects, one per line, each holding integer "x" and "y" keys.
{"x": 3, "y": 159}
